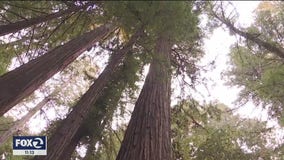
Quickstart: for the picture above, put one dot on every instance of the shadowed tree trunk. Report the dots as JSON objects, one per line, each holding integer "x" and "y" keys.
{"x": 19, "y": 124}
{"x": 93, "y": 126}
{"x": 21, "y": 82}
{"x": 68, "y": 151}
{"x": 104, "y": 108}
{"x": 148, "y": 133}
{"x": 19, "y": 25}
{"x": 64, "y": 134}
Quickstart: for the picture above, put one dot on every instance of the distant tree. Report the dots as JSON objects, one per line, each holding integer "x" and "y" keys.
{"x": 19, "y": 25}
{"x": 20, "y": 123}
{"x": 260, "y": 35}
{"x": 213, "y": 132}
{"x": 6, "y": 150}
{"x": 80, "y": 111}
{"x": 93, "y": 129}
{"x": 257, "y": 67}
{"x": 21, "y": 82}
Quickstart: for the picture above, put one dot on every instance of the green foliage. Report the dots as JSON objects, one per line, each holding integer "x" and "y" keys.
{"x": 6, "y": 148}
{"x": 175, "y": 19}
{"x": 100, "y": 118}
{"x": 13, "y": 11}
{"x": 217, "y": 135}
{"x": 38, "y": 39}
{"x": 199, "y": 132}
{"x": 257, "y": 71}
{"x": 125, "y": 77}
{"x": 108, "y": 146}
{"x": 5, "y": 60}
{"x": 261, "y": 77}
{"x": 269, "y": 21}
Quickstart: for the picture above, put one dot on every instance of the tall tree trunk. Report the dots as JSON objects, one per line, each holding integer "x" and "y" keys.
{"x": 19, "y": 124}
{"x": 16, "y": 26}
{"x": 63, "y": 135}
{"x": 68, "y": 151}
{"x": 148, "y": 133}
{"x": 21, "y": 82}
{"x": 104, "y": 108}
{"x": 274, "y": 48}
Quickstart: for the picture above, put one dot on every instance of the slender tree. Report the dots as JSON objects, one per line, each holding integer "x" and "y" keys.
{"x": 101, "y": 114}
{"x": 275, "y": 48}
{"x": 21, "y": 82}
{"x": 148, "y": 134}
{"x": 19, "y": 25}
{"x": 257, "y": 70}
{"x": 19, "y": 124}
{"x": 57, "y": 143}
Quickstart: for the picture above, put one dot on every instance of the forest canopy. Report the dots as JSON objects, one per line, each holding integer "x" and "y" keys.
{"x": 119, "y": 80}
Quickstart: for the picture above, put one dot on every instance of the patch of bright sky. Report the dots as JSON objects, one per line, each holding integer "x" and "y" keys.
{"x": 217, "y": 49}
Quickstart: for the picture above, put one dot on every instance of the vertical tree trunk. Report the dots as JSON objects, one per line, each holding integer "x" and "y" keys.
{"x": 16, "y": 26}
{"x": 21, "y": 82}
{"x": 63, "y": 135}
{"x": 148, "y": 133}
{"x": 19, "y": 124}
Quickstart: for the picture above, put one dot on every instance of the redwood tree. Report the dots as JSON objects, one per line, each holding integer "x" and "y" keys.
{"x": 21, "y": 122}
{"x": 21, "y": 82}
{"x": 102, "y": 111}
{"x": 148, "y": 134}
{"x": 218, "y": 12}
{"x": 68, "y": 128}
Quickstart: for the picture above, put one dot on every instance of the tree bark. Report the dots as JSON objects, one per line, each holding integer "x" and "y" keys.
{"x": 63, "y": 135}
{"x": 102, "y": 112}
{"x": 19, "y": 124}
{"x": 19, "y": 25}
{"x": 21, "y": 82}
{"x": 148, "y": 133}
{"x": 276, "y": 49}
{"x": 68, "y": 151}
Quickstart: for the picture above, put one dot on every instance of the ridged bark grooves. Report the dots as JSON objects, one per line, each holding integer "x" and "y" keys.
{"x": 22, "y": 81}
{"x": 64, "y": 134}
{"x": 148, "y": 133}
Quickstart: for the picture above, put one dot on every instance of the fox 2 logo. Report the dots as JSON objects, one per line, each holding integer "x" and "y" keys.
{"x": 29, "y": 143}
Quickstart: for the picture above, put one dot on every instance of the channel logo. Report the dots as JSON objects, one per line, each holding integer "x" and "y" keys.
{"x": 29, "y": 145}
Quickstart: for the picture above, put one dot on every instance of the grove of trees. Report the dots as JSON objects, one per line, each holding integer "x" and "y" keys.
{"x": 85, "y": 67}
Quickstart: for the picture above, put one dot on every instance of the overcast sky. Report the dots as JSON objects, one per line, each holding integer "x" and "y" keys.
{"x": 217, "y": 48}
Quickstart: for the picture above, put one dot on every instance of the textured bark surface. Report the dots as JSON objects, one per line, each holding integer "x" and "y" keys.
{"x": 16, "y": 26}
{"x": 64, "y": 134}
{"x": 148, "y": 133}
{"x": 20, "y": 123}
{"x": 21, "y": 82}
